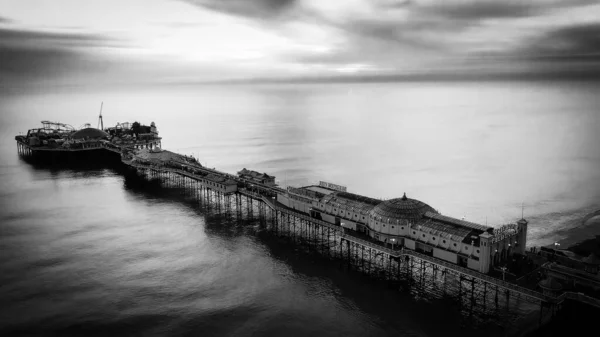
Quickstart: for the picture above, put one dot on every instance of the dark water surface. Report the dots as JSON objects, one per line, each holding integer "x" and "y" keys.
{"x": 85, "y": 251}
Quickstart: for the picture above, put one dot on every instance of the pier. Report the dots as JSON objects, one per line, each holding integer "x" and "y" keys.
{"x": 419, "y": 264}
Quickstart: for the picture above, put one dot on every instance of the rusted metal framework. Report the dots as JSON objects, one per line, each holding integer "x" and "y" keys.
{"x": 57, "y": 127}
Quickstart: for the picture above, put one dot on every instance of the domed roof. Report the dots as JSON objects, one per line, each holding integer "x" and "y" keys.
{"x": 401, "y": 209}
{"x": 89, "y": 133}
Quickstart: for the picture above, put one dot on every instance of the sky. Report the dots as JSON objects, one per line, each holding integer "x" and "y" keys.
{"x": 171, "y": 41}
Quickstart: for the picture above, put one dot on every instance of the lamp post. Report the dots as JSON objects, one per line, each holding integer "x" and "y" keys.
{"x": 503, "y": 272}
{"x": 343, "y": 228}
{"x": 393, "y": 241}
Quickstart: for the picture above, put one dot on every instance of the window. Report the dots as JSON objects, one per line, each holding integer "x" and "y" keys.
{"x": 402, "y": 228}
{"x": 414, "y": 233}
{"x": 477, "y": 251}
{"x": 433, "y": 238}
{"x": 455, "y": 245}
{"x": 383, "y": 225}
{"x": 423, "y": 235}
{"x": 392, "y": 227}
{"x": 444, "y": 241}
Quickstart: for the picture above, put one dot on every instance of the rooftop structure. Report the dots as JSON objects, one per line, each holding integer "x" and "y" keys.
{"x": 349, "y": 202}
{"x": 261, "y": 178}
{"x": 592, "y": 263}
{"x": 89, "y": 133}
{"x": 319, "y": 189}
{"x": 550, "y": 286}
{"x": 400, "y": 209}
{"x": 448, "y": 231}
{"x": 456, "y": 222}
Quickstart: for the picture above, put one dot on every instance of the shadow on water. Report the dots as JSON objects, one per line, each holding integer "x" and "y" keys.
{"x": 381, "y": 300}
{"x": 81, "y": 164}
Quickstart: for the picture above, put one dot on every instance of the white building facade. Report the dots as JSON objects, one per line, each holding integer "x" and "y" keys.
{"x": 412, "y": 224}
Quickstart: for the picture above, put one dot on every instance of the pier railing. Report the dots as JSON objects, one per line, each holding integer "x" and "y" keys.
{"x": 465, "y": 271}
{"x": 462, "y": 270}
{"x": 580, "y": 275}
{"x": 580, "y": 297}
{"x": 273, "y": 205}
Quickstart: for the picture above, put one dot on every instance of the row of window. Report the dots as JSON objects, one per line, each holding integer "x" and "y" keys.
{"x": 402, "y": 228}
{"x": 295, "y": 197}
{"x": 444, "y": 241}
{"x": 342, "y": 212}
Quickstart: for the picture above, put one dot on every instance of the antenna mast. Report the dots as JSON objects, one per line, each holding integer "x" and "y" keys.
{"x": 522, "y": 210}
{"x": 100, "y": 121}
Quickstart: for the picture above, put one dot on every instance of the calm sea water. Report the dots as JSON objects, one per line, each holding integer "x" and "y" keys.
{"x": 83, "y": 251}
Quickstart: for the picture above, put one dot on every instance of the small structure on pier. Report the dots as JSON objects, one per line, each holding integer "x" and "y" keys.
{"x": 257, "y": 177}
{"x": 89, "y": 133}
{"x": 550, "y": 287}
{"x": 592, "y": 264}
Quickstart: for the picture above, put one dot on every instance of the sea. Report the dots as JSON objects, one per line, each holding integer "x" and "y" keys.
{"x": 84, "y": 252}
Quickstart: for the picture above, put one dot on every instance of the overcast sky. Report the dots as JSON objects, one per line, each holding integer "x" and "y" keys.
{"x": 205, "y": 40}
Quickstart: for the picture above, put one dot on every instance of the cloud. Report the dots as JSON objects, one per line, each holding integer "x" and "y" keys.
{"x": 482, "y": 9}
{"x": 35, "y": 62}
{"x": 31, "y": 55}
{"x": 574, "y": 42}
{"x": 39, "y": 39}
{"x": 44, "y": 58}
{"x": 491, "y": 9}
{"x": 262, "y": 9}
{"x": 391, "y": 33}
{"x": 279, "y": 38}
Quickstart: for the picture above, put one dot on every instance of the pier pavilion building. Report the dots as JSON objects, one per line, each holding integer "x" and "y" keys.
{"x": 412, "y": 224}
